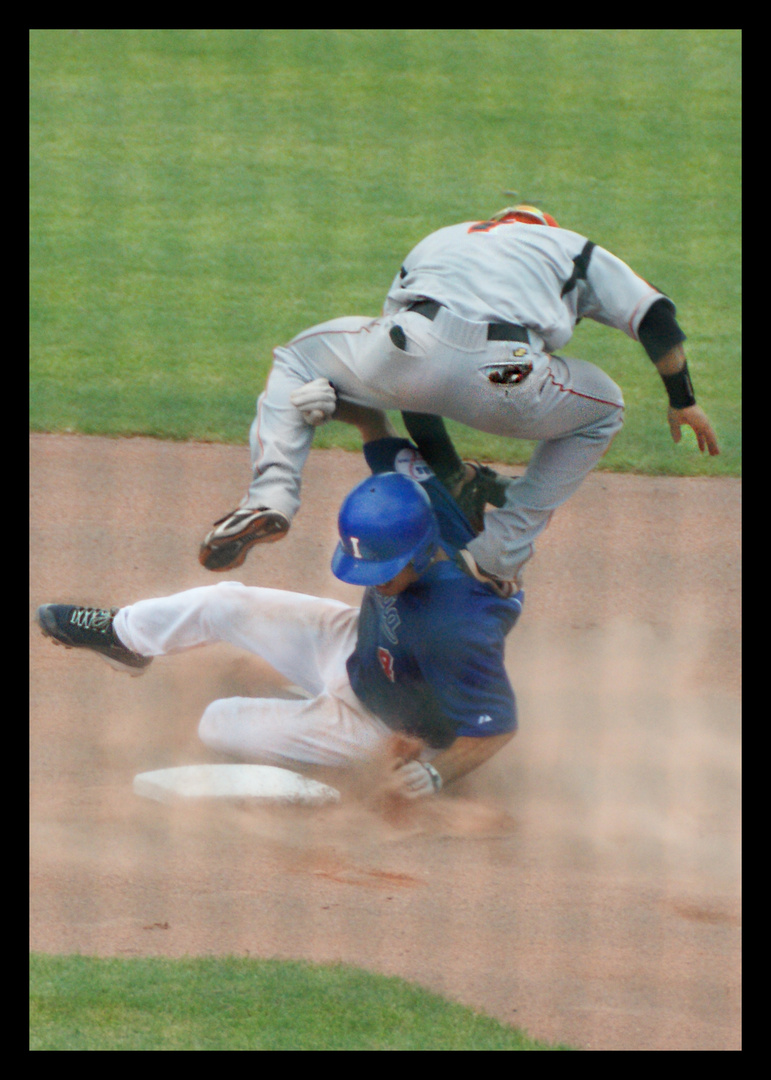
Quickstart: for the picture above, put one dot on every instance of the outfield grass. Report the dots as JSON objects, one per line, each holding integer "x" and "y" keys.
{"x": 199, "y": 196}
{"x": 226, "y": 1003}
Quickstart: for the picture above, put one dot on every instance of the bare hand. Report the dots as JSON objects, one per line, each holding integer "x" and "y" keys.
{"x": 696, "y": 419}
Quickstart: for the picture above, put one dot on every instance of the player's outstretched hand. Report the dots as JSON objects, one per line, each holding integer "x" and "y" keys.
{"x": 694, "y": 417}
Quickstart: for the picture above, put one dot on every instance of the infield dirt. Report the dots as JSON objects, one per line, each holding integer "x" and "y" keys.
{"x": 584, "y": 885}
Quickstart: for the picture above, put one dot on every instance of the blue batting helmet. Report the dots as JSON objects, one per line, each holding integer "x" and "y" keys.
{"x": 385, "y": 523}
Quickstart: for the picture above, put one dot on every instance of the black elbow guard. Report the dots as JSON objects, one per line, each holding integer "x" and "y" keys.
{"x": 659, "y": 331}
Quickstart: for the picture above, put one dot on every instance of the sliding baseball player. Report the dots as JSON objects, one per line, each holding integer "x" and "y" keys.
{"x": 421, "y": 660}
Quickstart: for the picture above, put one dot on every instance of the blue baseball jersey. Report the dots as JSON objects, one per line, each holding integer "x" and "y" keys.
{"x": 430, "y": 661}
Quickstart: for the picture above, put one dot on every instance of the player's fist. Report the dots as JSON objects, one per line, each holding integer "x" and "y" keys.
{"x": 695, "y": 418}
{"x": 415, "y": 780}
{"x": 316, "y": 400}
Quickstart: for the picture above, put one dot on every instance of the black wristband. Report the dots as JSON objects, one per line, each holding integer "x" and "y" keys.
{"x": 679, "y": 389}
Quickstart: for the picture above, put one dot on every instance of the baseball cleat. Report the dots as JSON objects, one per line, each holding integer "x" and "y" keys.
{"x": 90, "y": 628}
{"x": 232, "y": 537}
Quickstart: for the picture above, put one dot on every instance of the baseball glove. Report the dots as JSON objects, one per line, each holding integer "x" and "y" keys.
{"x": 232, "y": 537}
{"x": 485, "y": 487}
{"x": 472, "y": 495}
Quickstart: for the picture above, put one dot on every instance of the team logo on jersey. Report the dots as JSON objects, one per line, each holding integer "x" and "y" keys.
{"x": 386, "y": 663}
{"x": 411, "y": 463}
{"x": 389, "y": 616}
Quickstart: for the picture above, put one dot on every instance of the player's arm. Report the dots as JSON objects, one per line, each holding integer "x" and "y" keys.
{"x": 662, "y": 339}
{"x": 318, "y": 401}
{"x": 613, "y": 294}
{"x": 467, "y": 754}
{"x": 414, "y": 779}
{"x": 473, "y": 486}
{"x": 373, "y": 424}
{"x": 429, "y": 433}
{"x": 496, "y": 707}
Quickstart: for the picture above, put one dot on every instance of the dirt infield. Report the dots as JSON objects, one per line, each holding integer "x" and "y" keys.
{"x": 584, "y": 885}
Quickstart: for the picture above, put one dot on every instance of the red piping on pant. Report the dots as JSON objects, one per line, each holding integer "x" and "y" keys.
{"x": 577, "y": 393}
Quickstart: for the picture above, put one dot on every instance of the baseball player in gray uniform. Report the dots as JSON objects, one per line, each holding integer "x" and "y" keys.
{"x": 470, "y": 331}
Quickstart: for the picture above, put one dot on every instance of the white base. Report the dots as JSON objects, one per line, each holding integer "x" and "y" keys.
{"x": 265, "y": 783}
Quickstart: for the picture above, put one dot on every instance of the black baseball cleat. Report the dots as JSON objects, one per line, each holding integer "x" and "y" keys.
{"x": 233, "y": 536}
{"x": 90, "y": 628}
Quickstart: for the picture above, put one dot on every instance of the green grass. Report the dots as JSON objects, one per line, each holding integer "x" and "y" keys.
{"x": 199, "y": 196}
{"x": 226, "y": 1003}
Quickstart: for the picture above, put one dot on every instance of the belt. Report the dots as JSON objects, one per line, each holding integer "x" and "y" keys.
{"x": 496, "y": 331}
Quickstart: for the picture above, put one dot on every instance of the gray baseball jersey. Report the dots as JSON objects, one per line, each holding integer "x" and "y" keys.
{"x": 540, "y": 277}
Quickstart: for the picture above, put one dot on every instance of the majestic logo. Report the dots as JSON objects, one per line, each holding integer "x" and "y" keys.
{"x": 386, "y": 663}
{"x": 485, "y": 720}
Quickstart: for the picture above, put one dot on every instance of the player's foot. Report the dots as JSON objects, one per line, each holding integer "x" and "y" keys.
{"x": 501, "y": 586}
{"x": 90, "y": 628}
{"x": 233, "y": 536}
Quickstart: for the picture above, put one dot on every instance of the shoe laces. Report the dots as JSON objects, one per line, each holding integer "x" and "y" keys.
{"x": 99, "y": 619}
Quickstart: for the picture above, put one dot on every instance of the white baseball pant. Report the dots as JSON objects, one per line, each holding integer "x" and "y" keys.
{"x": 570, "y": 407}
{"x": 306, "y": 639}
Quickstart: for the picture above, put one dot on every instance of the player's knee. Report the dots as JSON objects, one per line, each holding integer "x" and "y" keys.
{"x": 215, "y": 727}
{"x": 615, "y": 420}
{"x": 612, "y": 419}
{"x": 208, "y": 725}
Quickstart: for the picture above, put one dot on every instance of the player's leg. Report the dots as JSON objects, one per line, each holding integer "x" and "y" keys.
{"x": 581, "y": 411}
{"x": 305, "y": 638}
{"x": 279, "y": 443}
{"x": 327, "y": 730}
{"x": 279, "y": 438}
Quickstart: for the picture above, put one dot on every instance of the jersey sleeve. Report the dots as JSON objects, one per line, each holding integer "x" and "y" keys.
{"x": 613, "y": 294}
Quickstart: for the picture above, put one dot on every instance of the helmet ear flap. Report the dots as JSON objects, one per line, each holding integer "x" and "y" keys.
{"x": 421, "y": 560}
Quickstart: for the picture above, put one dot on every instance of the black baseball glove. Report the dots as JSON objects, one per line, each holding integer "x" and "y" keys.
{"x": 486, "y": 487}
